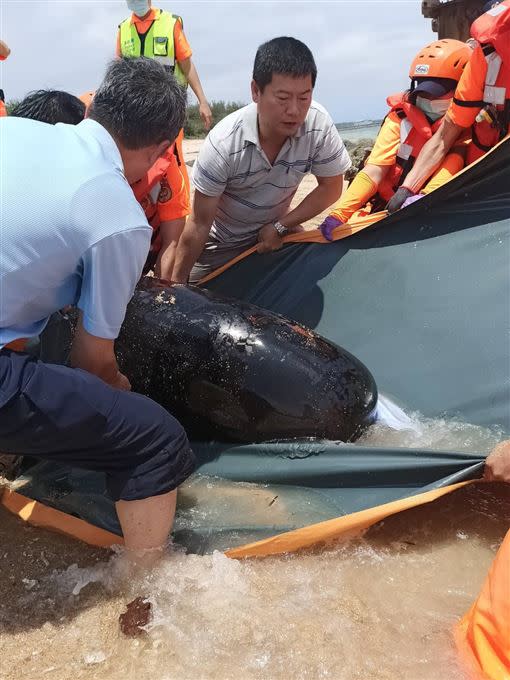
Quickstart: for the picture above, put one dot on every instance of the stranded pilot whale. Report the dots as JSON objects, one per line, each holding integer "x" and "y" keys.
{"x": 232, "y": 371}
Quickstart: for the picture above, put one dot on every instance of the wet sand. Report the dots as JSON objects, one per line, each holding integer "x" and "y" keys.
{"x": 381, "y": 607}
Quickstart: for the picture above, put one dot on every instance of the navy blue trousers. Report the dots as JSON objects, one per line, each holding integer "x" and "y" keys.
{"x": 67, "y": 415}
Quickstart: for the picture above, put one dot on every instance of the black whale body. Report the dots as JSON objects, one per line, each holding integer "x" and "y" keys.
{"x": 229, "y": 370}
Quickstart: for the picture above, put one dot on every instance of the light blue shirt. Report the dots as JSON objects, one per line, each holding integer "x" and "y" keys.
{"x": 71, "y": 230}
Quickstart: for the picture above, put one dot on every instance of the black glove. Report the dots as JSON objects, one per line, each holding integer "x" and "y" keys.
{"x": 399, "y": 198}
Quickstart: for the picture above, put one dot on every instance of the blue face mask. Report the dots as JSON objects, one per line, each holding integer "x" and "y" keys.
{"x": 434, "y": 109}
{"x": 138, "y": 7}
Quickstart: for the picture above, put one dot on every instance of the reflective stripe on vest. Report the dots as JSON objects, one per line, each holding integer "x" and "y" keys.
{"x": 496, "y": 100}
{"x": 158, "y": 44}
{"x": 405, "y": 150}
{"x": 415, "y": 130}
{"x": 492, "y": 94}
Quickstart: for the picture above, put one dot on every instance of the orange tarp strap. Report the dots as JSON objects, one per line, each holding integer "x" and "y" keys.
{"x": 360, "y": 220}
{"x": 17, "y": 345}
{"x": 483, "y": 635}
{"x": 43, "y": 516}
{"x": 332, "y": 529}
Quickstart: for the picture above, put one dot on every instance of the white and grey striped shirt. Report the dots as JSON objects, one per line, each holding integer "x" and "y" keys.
{"x": 231, "y": 164}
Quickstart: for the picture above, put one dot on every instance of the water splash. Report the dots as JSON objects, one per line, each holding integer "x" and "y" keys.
{"x": 395, "y": 428}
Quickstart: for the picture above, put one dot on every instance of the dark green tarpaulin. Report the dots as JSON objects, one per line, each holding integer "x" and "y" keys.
{"x": 423, "y": 299}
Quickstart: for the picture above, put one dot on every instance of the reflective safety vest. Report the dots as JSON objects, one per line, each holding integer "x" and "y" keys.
{"x": 158, "y": 43}
{"x": 415, "y": 130}
{"x": 492, "y": 31}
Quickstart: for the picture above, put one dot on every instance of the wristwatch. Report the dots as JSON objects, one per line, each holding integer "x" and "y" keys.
{"x": 281, "y": 229}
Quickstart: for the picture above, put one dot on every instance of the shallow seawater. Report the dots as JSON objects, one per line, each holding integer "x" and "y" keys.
{"x": 399, "y": 429}
{"x": 379, "y": 607}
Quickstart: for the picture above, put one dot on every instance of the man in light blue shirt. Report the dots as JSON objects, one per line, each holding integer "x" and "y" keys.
{"x": 99, "y": 234}
{"x": 72, "y": 233}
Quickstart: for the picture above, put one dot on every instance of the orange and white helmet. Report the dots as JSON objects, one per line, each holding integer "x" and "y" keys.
{"x": 441, "y": 59}
{"x": 437, "y": 67}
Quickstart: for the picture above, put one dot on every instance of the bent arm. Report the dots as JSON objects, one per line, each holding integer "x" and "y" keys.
{"x": 452, "y": 164}
{"x": 96, "y": 355}
{"x": 194, "y": 236}
{"x": 360, "y": 190}
{"x": 432, "y": 155}
{"x": 376, "y": 172}
{"x": 189, "y": 70}
{"x": 170, "y": 233}
{"x": 191, "y": 73}
{"x": 327, "y": 191}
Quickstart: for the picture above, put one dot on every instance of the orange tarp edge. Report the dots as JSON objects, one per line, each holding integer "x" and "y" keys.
{"x": 483, "y": 635}
{"x": 331, "y": 529}
{"x": 43, "y": 516}
{"x": 356, "y": 223}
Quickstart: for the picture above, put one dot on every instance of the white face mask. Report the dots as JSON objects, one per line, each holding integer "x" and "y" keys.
{"x": 139, "y": 7}
{"x": 433, "y": 109}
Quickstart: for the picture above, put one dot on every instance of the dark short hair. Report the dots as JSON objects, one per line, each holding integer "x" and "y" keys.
{"x": 286, "y": 56}
{"x": 139, "y": 102}
{"x": 50, "y": 106}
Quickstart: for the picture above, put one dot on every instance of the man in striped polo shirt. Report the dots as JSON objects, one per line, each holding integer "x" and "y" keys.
{"x": 253, "y": 161}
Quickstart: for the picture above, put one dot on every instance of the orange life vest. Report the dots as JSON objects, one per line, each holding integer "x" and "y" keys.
{"x": 415, "y": 130}
{"x": 492, "y": 31}
{"x": 3, "y": 110}
{"x": 148, "y": 190}
{"x": 492, "y": 28}
{"x": 483, "y": 635}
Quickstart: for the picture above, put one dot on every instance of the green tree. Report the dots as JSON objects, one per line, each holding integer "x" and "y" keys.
{"x": 11, "y": 104}
{"x": 193, "y": 127}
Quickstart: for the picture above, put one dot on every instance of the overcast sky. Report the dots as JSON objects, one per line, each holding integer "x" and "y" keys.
{"x": 363, "y": 48}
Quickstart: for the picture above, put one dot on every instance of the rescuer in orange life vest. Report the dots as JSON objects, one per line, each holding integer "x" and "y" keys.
{"x": 158, "y": 34}
{"x": 413, "y": 118}
{"x": 481, "y": 101}
{"x": 164, "y": 196}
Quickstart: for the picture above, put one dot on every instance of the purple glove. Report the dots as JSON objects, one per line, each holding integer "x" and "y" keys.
{"x": 412, "y": 199}
{"x": 328, "y": 225}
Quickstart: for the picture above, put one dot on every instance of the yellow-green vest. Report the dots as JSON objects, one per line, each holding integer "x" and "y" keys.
{"x": 159, "y": 42}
